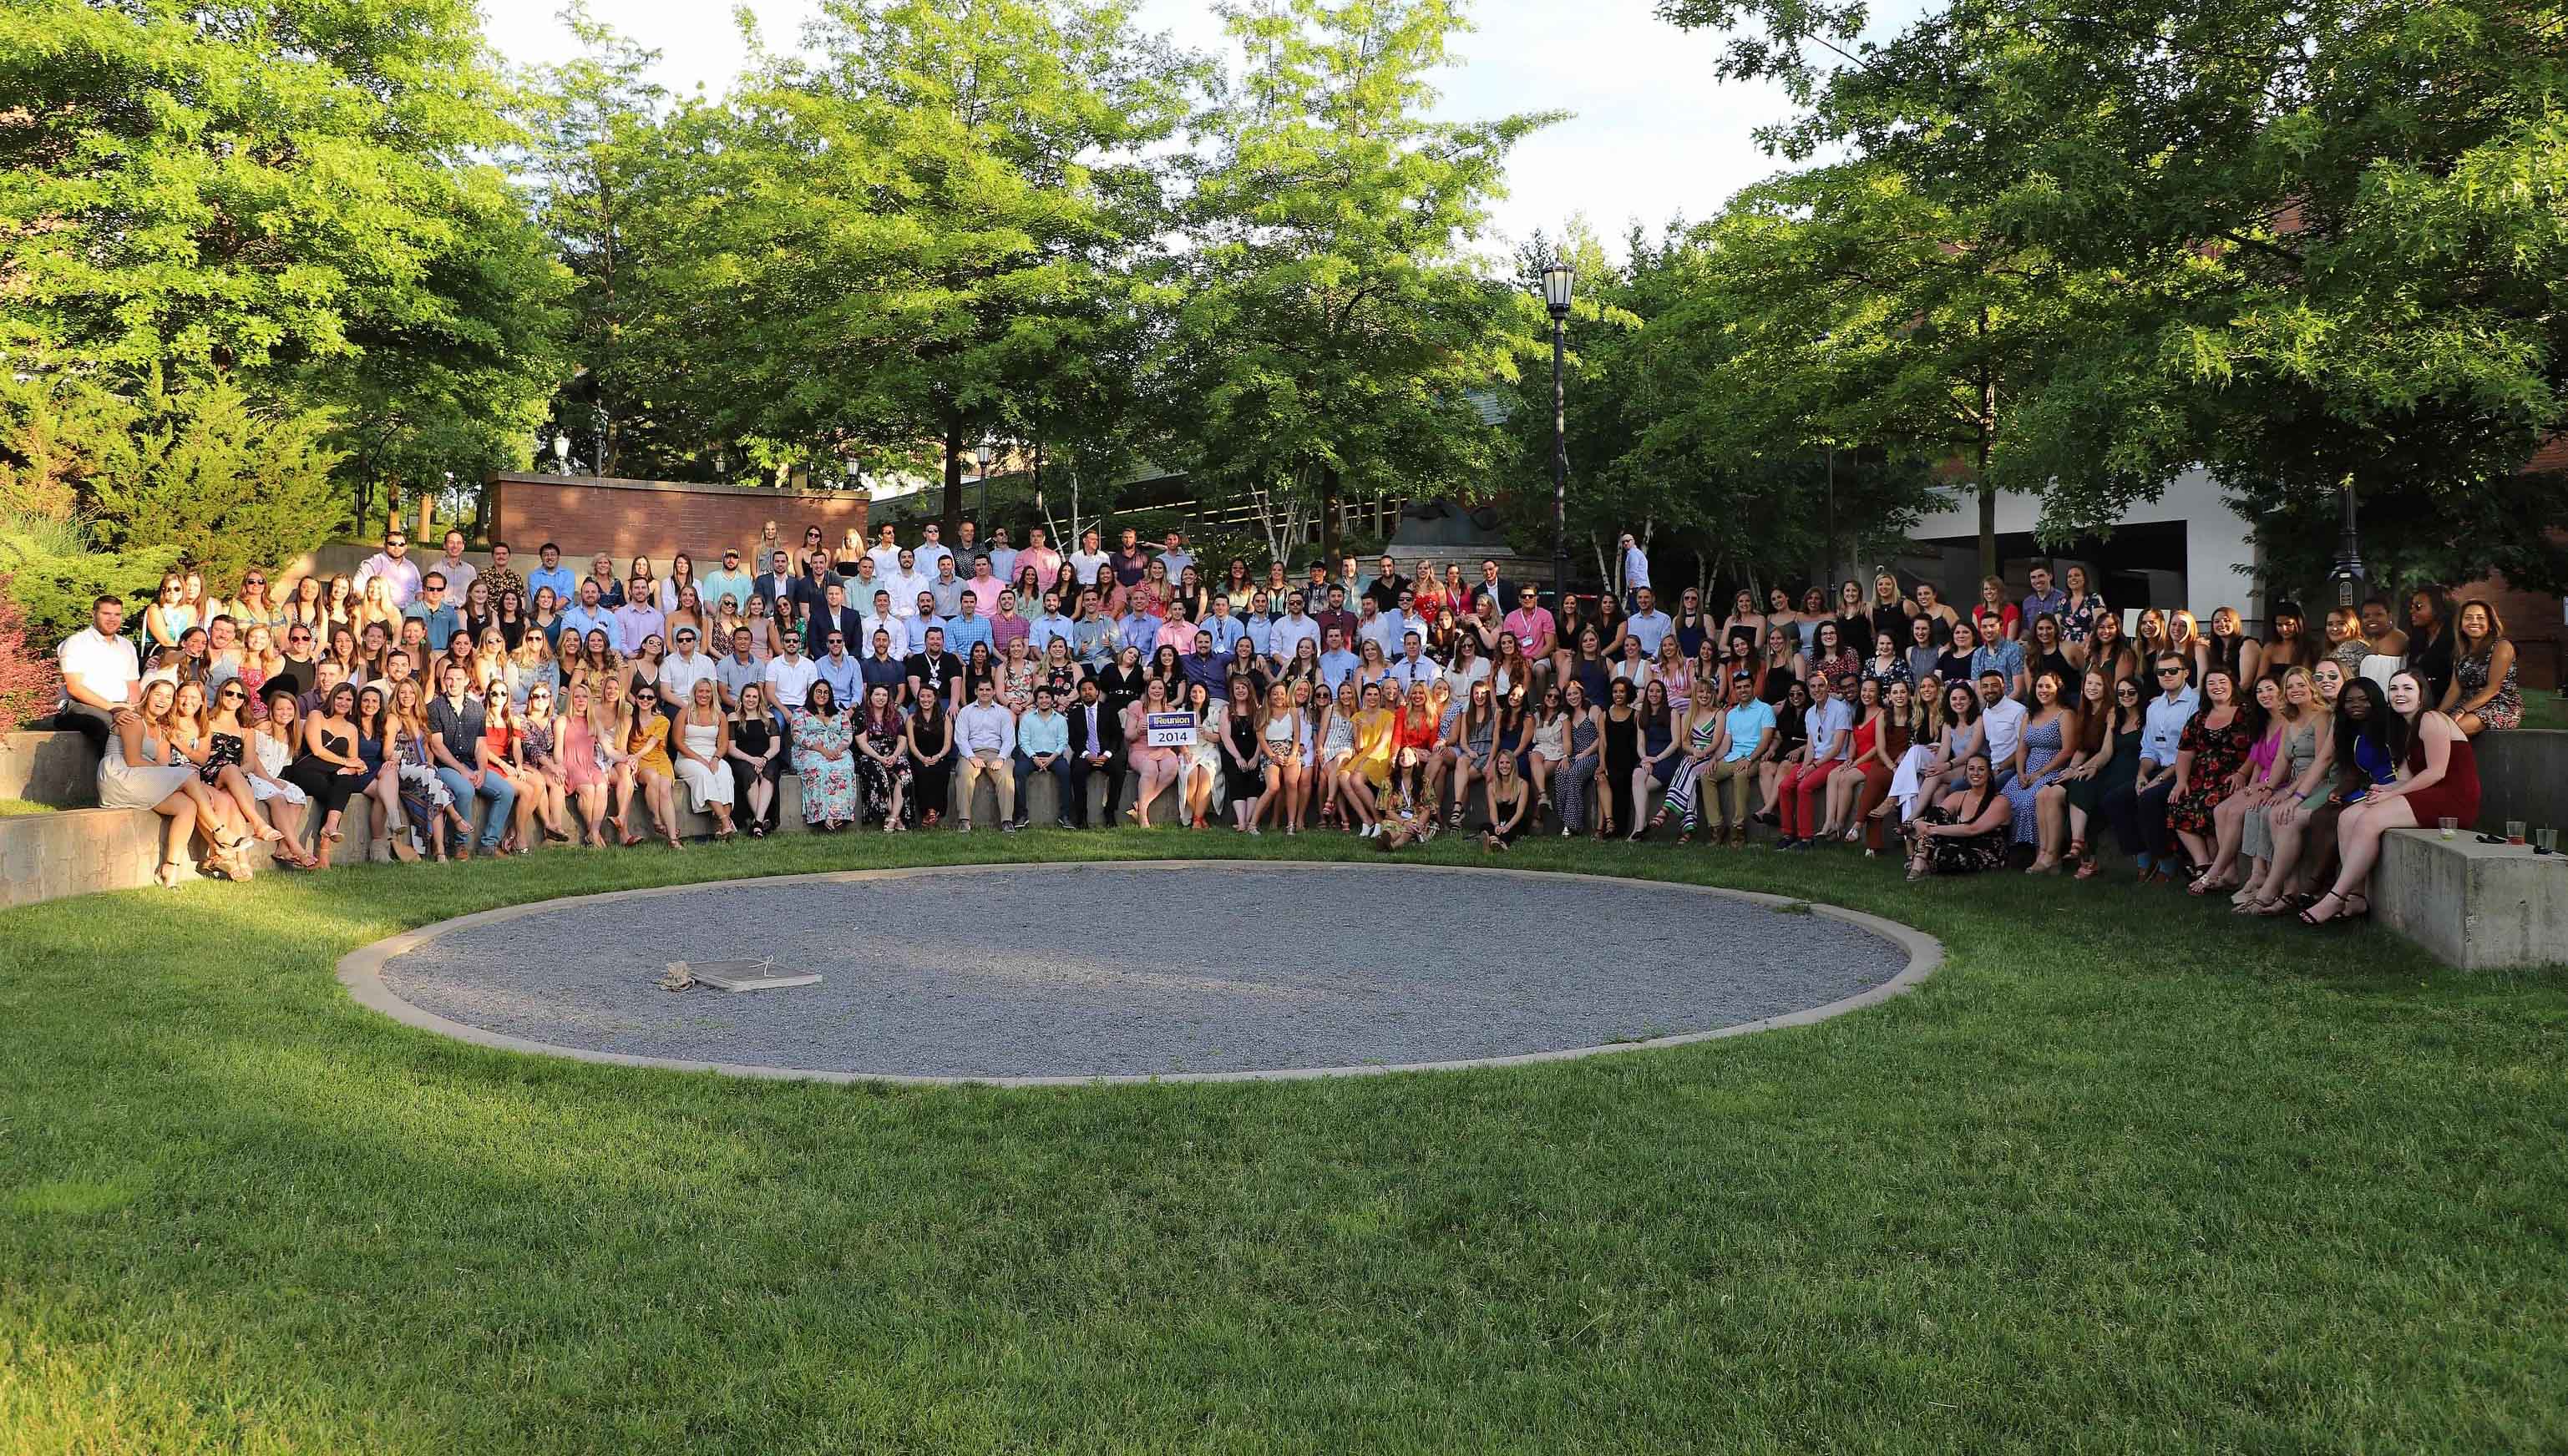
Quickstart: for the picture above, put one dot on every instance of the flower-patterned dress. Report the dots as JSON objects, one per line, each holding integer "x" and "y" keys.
{"x": 880, "y": 778}
{"x": 829, "y": 786}
{"x": 2218, "y": 754}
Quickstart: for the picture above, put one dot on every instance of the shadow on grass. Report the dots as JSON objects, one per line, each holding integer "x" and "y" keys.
{"x": 2122, "y": 1174}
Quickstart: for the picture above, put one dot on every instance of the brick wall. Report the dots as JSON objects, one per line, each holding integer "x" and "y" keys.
{"x": 2534, "y": 621}
{"x": 657, "y": 519}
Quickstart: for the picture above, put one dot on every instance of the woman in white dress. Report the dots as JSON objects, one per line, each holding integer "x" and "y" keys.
{"x": 702, "y": 746}
{"x": 142, "y": 772}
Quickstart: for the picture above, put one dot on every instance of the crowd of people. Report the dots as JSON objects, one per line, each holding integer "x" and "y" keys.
{"x": 891, "y": 679}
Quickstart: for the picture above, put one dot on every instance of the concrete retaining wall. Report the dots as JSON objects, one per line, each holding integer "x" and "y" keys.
{"x": 2480, "y": 907}
{"x": 2523, "y": 774}
{"x": 47, "y": 769}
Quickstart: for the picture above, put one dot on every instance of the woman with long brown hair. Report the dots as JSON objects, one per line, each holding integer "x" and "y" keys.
{"x": 2485, "y": 692}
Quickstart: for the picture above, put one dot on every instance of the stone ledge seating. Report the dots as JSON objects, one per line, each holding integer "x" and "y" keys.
{"x": 2475, "y": 906}
{"x": 82, "y": 850}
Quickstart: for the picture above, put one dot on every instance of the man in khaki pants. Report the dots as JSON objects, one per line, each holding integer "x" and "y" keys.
{"x": 1746, "y": 740}
{"x": 985, "y": 733}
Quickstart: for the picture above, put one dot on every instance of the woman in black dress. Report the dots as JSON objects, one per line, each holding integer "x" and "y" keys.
{"x": 1243, "y": 760}
{"x": 1622, "y": 730}
{"x": 1120, "y": 683}
{"x": 329, "y": 771}
{"x": 1967, "y": 834}
{"x": 757, "y": 759}
{"x": 931, "y": 757}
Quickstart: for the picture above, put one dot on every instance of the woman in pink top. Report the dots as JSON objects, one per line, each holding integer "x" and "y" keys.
{"x": 1155, "y": 768}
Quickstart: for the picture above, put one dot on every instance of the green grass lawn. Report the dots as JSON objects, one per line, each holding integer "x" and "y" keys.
{"x": 10, "y": 807}
{"x": 2129, "y": 1173}
{"x": 2546, "y": 710}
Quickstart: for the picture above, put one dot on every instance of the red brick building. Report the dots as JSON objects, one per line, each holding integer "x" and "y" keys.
{"x": 658, "y": 519}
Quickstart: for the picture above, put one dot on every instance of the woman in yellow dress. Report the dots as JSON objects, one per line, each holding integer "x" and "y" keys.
{"x": 1369, "y": 771}
{"x": 646, "y": 739}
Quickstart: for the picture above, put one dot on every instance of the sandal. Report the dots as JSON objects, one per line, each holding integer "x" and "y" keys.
{"x": 2310, "y": 919}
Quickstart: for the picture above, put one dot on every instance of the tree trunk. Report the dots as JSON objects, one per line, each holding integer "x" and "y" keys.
{"x": 1988, "y": 429}
{"x": 1329, "y": 513}
{"x": 953, "y": 513}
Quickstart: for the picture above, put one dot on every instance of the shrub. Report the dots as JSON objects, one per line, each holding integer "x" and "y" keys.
{"x": 28, "y": 684}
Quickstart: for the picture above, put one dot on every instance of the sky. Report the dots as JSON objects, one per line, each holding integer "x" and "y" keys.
{"x": 1654, "y": 135}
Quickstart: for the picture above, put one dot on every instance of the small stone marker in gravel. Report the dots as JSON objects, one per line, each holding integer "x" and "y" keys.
{"x": 743, "y": 975}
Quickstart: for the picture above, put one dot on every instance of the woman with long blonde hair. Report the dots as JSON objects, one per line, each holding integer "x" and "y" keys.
{"x": 611, "y": 717}
{"x": 429, "y": 802}
{"x": 377, "y": 606}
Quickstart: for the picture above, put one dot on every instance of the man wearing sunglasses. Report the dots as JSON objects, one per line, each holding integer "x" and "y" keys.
{"x": 400, "y": 574}
{"x": 2139, "y": 811}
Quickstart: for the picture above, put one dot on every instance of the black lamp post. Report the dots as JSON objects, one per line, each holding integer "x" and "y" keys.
{"x": 2348, "y": 571}
{"x": 1557, "y": 278}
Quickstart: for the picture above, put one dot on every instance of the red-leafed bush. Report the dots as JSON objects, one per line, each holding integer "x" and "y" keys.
{"x": 28, "y": 686}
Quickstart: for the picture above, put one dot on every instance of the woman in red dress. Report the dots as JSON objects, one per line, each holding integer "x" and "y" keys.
{"x": 2440, "y": 781}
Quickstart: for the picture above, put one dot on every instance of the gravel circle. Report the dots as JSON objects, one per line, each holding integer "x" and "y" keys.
{"x": 1102, "y": 970}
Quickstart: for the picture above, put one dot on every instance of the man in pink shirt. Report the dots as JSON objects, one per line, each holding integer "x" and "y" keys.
{"x": 1006, "y": 625}
{"x": 1039, "y": 555}
{"x": 1177, "y": 631}
{"x": 1533, "y": 626}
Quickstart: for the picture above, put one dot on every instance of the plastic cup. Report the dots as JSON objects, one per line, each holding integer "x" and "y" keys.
{"x": 2447, "y": 826}
{"x": 2546, "y": 840}
{"x": 2514, "y": 831}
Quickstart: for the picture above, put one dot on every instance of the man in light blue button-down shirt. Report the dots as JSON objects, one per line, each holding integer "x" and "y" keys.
{"x": 2139, "y": 811}
{"x": 1043, "y": 746}
{"x": 1224, "y": 629}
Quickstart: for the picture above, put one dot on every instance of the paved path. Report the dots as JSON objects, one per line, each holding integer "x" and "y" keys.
{"x": 1103, "y": 970}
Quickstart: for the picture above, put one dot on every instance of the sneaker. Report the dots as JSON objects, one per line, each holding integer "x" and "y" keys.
{"x": 1063, "y": 823}
{"x": 962, "y": 826}
{"x": 1006, "y": 827}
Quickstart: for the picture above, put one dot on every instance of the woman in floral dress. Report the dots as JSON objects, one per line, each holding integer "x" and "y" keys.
{"x": 825, "y": 761}
{"x": 2210, "y": 762}
{"x": 883, "y": 760}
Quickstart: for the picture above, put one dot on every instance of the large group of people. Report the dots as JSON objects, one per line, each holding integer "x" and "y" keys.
{"x": 892, "y": 680}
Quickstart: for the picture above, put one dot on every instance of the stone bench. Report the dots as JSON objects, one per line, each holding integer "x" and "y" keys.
{"x": 80, "y": 849}
{"x": 2479, "y": 907}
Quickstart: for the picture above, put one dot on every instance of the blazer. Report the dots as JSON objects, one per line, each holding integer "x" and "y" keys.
{"x": 796, "y": 588}
{"x": 816, "y": 633}
{"x": 1110, "y": 729}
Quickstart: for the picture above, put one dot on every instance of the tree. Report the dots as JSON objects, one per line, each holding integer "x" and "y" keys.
{"x": 1700, "y": 420}
{"x": 286, "y": 193}
{"x": 596, "y": 152}
{"x": 2326, "y": 240}
{"x": 224, "y": 483}
{"x": 1330, "y": 321}
{"x": 924, "y": 236}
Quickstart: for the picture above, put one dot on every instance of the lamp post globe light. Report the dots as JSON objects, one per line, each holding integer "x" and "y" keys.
{"x": 1558, "y": 280}
{"x": 561, "y": 450}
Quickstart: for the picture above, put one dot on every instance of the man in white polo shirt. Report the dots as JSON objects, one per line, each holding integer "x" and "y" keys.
{"x": 101, "y": 674}
{"x": 790, "y": 675}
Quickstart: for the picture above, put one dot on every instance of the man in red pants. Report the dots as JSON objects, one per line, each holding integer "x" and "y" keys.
{"x": 1830, "y": 719}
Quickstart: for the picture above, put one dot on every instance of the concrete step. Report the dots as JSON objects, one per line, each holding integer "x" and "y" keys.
{"x": 2480, "y": 907}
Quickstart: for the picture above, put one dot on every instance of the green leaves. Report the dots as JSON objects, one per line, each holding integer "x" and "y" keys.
{"x": 1329, "y": 319}
{"x": 2299, "y": 244}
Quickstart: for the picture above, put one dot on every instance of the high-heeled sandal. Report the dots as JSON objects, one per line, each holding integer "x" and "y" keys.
{"x": 2309, "y": 918}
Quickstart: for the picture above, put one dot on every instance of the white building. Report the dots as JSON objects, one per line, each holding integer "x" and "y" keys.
{"x": 2187, "y": 549}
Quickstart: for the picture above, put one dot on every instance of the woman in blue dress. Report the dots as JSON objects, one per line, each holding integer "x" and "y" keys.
{"x": 2040, "y": 758}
